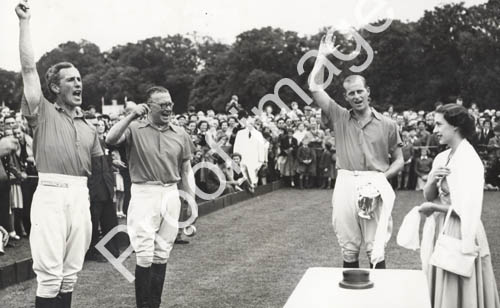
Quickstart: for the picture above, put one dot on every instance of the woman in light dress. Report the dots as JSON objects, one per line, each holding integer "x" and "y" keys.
{"x": 456, "y": 180}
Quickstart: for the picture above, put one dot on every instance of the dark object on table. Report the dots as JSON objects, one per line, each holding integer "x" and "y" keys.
{"x": 356, "y": 279}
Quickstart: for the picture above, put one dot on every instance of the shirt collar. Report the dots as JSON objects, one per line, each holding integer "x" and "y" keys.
{"x": 78, "y": 112}
{"x": 375, "y": 113}
{"x": 146, "y": 123}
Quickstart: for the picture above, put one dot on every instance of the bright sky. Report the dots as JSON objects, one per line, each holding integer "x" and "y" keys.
{"x": 111, "y": 22}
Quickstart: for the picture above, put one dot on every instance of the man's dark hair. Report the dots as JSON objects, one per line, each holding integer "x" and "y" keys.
{"x": 52, "y": 75}
{"x": 153, "y": 90}
{"x": 9, "y": 116}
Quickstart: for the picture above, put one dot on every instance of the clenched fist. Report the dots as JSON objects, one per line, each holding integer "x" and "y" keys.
{"x": 23, "y": 10}
{"x": 140, "y": 110}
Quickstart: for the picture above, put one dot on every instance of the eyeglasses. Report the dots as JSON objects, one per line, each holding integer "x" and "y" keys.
{"x": 164, "y": 105}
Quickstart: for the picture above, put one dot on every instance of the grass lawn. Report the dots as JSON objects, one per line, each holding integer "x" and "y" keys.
{"x": 249, "y": 255}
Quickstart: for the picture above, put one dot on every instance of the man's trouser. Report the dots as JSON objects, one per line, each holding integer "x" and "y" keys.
{"x": 152, "y": 222}
{"x": 5, "y": 205}
{"x": 61, "y": 232}
{"x": 28, "y": 187}
{"x": 103, "y": 214}
{"x": 350, "y": 228}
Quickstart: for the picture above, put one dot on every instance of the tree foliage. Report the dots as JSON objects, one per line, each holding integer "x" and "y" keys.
{"x": 451, "y": 51}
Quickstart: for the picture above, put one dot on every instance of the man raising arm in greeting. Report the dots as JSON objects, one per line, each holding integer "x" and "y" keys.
{"x": 368, "y": 153}
{"x": 63, "y": 146}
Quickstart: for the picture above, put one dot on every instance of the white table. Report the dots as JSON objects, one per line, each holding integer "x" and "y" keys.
{"x": 319, "y": 288}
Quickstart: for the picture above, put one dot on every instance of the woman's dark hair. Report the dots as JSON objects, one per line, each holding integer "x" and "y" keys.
{"x": 459, "y": 117}
{"x": 201, "y": 122}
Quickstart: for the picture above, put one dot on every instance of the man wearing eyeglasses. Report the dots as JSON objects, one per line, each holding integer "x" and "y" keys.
{"x": 159, "y": 156}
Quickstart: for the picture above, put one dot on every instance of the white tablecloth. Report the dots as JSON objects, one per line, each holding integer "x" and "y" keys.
{"x": 319, "y": 288}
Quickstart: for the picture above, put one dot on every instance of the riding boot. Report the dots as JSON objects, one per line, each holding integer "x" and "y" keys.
{"x": 157, "y": 279}
{"x": 66, "y": 299}
{"x": 380, "y": 265}
{"x": 143, "y": 286}
{"x": 53, "y": 302}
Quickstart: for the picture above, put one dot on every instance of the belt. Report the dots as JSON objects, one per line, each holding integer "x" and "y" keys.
{"x": 357, "y": 172}
{"x": 158, "y": 185}
{"x": 61, "y": 180}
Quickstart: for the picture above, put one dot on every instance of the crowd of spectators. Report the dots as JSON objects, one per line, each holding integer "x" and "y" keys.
{"x": 235, "y": 151}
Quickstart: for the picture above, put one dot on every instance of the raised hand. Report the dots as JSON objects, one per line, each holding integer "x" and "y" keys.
{"x": 438, "y": 174}
{"x": 327, "y": 44}
{"x": 23, "y": 10}
{"x": 140, "y": 110}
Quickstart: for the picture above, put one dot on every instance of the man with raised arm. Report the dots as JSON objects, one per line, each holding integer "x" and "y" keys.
{"x": 63, "y": 146}
{"x": 159, "y": 156}
{"x": 368, "y": 153}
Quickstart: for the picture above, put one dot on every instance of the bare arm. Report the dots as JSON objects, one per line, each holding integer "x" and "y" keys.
{"x": 397, "y": 163}
{"x": 316, "y": 78}
{"x": 116, "y": 133}
{"x": 32, "y": 86}
{"x": 430, "y": 190}
{"x": 428, "y": 208}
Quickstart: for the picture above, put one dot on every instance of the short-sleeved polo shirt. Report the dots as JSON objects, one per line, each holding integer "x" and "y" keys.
{"x": 62, "y": 144}
{"x": 362, "y": 146}
{"x": 154, "y": 155}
